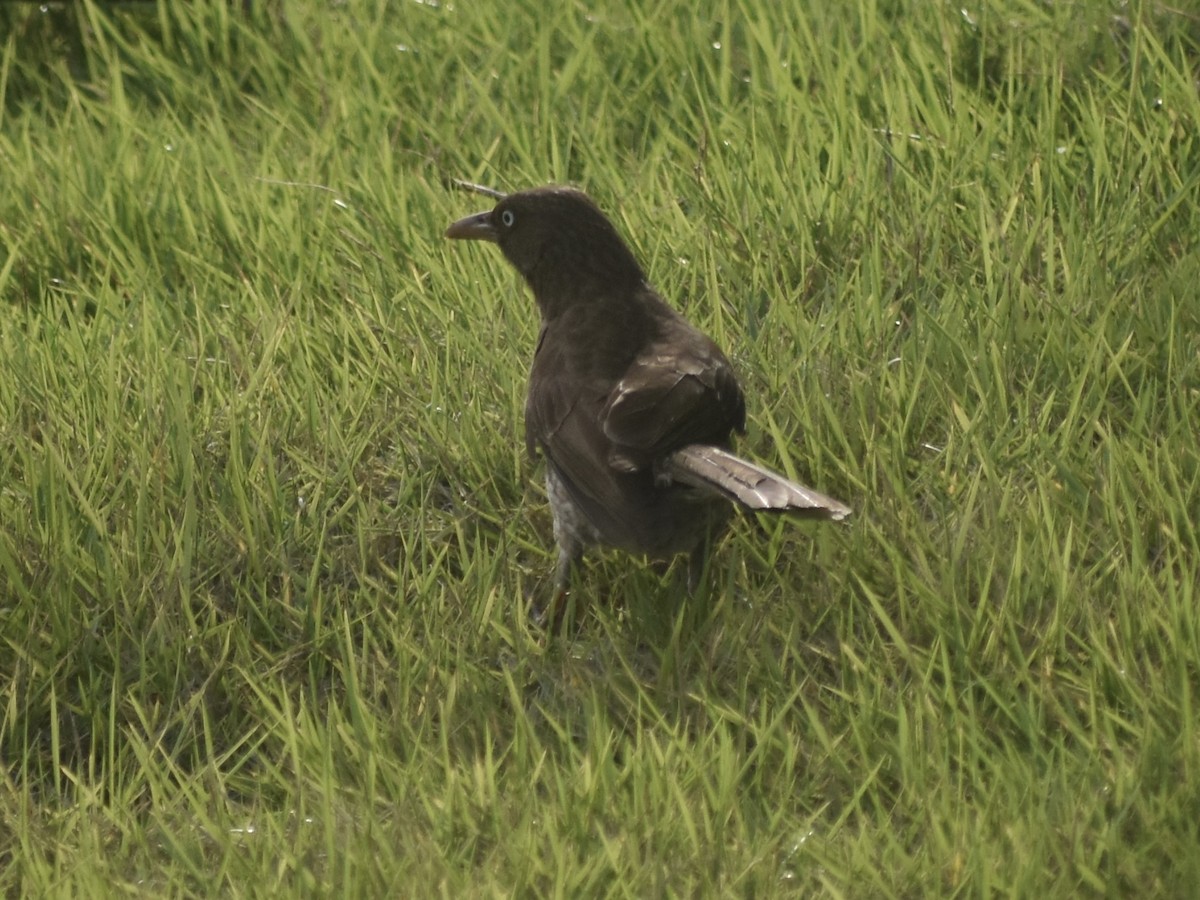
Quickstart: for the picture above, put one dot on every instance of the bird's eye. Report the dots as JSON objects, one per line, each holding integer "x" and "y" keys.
{"x": 507, "y": 218}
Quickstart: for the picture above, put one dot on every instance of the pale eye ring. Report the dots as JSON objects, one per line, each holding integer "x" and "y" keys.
{"x": 507, "y": 219}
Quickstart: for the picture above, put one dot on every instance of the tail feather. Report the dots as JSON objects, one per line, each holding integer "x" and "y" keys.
{"x": 711, "y": 468}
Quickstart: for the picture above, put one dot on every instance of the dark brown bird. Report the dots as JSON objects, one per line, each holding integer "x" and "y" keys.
{"x": 632, "y": 407}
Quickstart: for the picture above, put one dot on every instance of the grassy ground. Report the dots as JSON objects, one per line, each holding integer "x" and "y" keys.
{"x": 267, "y": 532}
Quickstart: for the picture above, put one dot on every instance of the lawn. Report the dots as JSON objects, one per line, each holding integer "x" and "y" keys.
{"x": 269, "y": 536}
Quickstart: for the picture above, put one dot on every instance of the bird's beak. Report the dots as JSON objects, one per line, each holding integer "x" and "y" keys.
{"x": 478, "y": 227}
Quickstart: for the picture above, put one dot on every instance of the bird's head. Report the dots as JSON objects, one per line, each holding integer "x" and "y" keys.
{"x": 558, "y": 239}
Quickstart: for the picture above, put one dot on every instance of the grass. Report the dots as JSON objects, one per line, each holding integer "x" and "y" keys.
{"x": 268, "y": 535}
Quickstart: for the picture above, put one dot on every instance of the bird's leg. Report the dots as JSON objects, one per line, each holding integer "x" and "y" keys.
{"x": 569, "y": 557}
{"x": 698, "y": 566}
{"x": 561, "y": 607}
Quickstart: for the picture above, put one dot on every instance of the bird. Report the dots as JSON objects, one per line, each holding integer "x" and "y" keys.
{"x": 632, "y": 408}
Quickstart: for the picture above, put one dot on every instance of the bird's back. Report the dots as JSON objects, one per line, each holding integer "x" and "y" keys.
{"x": 616, "y": 386}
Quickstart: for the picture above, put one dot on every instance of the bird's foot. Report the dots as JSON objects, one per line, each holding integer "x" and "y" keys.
{"x": 562, "y": 614}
